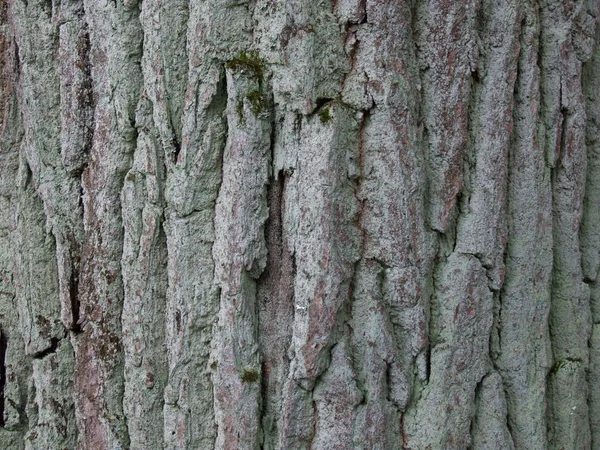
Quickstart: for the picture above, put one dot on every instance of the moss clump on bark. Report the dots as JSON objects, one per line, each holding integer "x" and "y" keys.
{"x": 325, "y": 114}
{"x": 258, "y": 102}
{"x": 249, "y": 62}
{"x": 249, "y": 376}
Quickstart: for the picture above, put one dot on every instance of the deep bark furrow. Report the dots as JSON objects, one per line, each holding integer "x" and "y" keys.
{"x": 275, "y": 302}
{"x": 3, "y": 344}
{"x": 99, "y": 378}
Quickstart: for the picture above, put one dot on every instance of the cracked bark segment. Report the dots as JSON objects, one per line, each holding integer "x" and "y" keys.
{"x": 192, "y": 303}
{"x": 319, "y": 219}
{"x": 593, "y": 379}
{"x": 393, "y": 225}
{"x": 17, "y": 370}
{"x": 562, "y": 50}
{"x": 490, "y": 430}
{"x": 392, "y": 184}
{"x": 480, "y": 231}
{"x": 76, "y": 135}
{"x": 165, "y": 62}
{"x": 336, "y": 397}
{"x": 50, "y": 411}
{"x": 187, "y": 100}
{"x": 144, "y": 265}
{"x": 375, "y": 350}
{"x": 383, "y": 61}
{"x": 76, "y": 101}
{"x": 570, "y": 316}
{"x": 9, "y": 73}
{"x": 38, "y": 302}
{"x": 40, "y": 102}
{"x": 460, "y": 344}
{"x": 115, "y": 39}
{"x": 192, "y": 297}
{"x": 525, "y": 355}
{"x": 310, "y": 33}
{"x": 240, "y": 254}
{"x": 590, "y": 238}
{"x": 14, "y": 366}
{"x": 215, "y": 34}
{"x": 448, "y": 55}
{"x": 569, "y": 415}
{"x": 14, "y": 369}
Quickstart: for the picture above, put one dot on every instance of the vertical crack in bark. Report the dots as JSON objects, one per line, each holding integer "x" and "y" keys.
{"x": 85, "y": 96}
{"x": 3, "y": 348}
{"x": 74, "y": 296}
{"x": 176, "y": 149}
{"x": 275, "y": 294}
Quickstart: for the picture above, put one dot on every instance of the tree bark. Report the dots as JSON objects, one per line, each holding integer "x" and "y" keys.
{"x": 269, "y": 224}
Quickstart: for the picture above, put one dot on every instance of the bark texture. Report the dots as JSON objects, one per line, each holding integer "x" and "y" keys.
{"x": 289, "y": 224}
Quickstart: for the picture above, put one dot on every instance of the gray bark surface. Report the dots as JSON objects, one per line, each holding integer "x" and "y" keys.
{"x": 287, "y": 224}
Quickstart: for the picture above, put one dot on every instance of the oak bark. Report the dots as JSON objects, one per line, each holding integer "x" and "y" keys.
{"x": 287, "y": 224}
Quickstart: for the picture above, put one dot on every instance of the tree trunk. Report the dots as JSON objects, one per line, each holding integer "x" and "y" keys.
{"x": 269, "y": 224}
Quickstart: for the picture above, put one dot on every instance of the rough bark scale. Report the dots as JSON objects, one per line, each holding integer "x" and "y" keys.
{"x": 301, "y": 225}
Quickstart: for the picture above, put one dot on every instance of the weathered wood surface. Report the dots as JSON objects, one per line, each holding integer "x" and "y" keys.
{"x": 269, "y": 224}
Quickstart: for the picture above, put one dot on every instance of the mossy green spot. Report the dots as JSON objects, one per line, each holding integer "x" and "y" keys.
{"x": 249, "y": 376}
{"x": 239, "y": 109}
{"x": 325, "y": 114}
{"x": 249, "y": 62}
{"x": 258, "y": 102}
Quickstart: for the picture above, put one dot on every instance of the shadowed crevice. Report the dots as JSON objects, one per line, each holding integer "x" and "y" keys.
{"x": 54, "y": 342}
{"x": 3, "y": 347}
{"x": 74, "y": 297}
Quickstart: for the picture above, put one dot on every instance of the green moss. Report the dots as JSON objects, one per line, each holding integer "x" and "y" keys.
{"x": 249, "y": 376}
{"x": 249, "y": 62}
{"x": 325, "y": 114}
{"x": 239, "y": 109}
{"x": 563, "y": 364}
{"x": 258, "y": 102}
